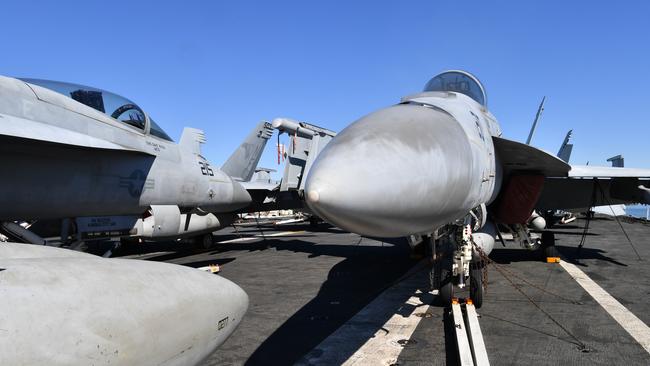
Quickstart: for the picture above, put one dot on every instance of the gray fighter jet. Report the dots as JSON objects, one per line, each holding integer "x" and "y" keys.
{"x": 62, "y": 307}
{"x": 69, "y": 151}
{"x": 73, "y": 151}
{"x": 436, "y": 165}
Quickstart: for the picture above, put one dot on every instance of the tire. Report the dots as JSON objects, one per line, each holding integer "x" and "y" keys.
{"x": 313, "y": 222}
{"x": 204, "y": 241}
{"x": 551, "y": 251}
{"x": 476, "y": 285}
{"x": 548, "y": 248}
{"x": 126, "y": 242}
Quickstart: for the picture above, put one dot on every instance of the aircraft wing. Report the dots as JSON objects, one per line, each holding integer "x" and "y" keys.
{"x": 582, "y": 171}
{"x": 573, "y": 186}
{"x": 259, "y": 186}
{"x": 588, "y": 186}
{"x": 515, "y": 156}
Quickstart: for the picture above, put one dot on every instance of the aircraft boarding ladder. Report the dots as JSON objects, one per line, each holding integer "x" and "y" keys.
{"x": 471, "y": 348}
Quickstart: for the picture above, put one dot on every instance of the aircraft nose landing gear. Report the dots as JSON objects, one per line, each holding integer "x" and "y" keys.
{"x": 456, "y": 266}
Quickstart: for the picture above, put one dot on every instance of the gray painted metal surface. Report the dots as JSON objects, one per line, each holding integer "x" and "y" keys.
{"x": 407, "y": 169}
{"x": 94, "y": 164}
{"x": 307, "y": 141}
{"x": 533, "y": 128}
{"x": 617, "y": 161}
{"x": 70, "y": 157}
{"x": 426, "y": 162}
{"x": 242, "y": 163}
{"x": 61, "y": 307}
{"x": 566, "y": 148}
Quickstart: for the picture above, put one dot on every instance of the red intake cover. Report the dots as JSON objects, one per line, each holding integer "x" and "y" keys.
{"x": 518, "y": 198}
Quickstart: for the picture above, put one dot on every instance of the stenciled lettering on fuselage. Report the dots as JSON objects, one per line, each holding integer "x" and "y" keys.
{"x": 477, "y": 121}
{"x": 155, "y": 146}
{"x": 222, "y": 323}
{"x": 205, "y": 168}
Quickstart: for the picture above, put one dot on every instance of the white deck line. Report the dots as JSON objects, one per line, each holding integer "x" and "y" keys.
{"x": 282, "y": 233}
{"x": 476, "y": 337}
{"x": 630, "y": 322}
{"x": 257, "y": 236}
{"x": 238, "y": 240}
{"x": 367, "y": 338}
{"x": 462, "y": 341}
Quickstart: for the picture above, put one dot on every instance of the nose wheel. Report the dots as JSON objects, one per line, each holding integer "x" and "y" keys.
{"x": 447, "y": 283}
{"x": 454, "y": 266}
{"x": 446, "y": 287}
{"x": 476, "y": 285}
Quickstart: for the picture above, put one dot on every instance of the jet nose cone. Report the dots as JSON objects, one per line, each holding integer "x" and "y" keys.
{"x": 238, "y": 301}
{"x": 224, "y": 305}
{"x": 398, "y": 171}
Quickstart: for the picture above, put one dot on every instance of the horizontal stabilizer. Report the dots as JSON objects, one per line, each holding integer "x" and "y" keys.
{"x": 515, "y": 156}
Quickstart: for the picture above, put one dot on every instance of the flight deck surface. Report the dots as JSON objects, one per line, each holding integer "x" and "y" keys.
{"x": 324, "y": 296}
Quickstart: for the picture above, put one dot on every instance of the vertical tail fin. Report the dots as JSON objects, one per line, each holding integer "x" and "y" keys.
{"x": 617, "y": 161}
{"x": 191, "y": 140}
{"x": 566, "y": 148}
{"x": 242, "y": 163}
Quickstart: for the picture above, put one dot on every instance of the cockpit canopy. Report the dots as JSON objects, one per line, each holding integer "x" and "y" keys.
{"x": 113, "y": 105}
{"x": 460, "y": 82}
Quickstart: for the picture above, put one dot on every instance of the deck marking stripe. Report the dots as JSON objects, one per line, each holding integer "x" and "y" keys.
{"x": 145, "y": 256}
{"x": 382, "y": 348}
{"x": 282, "y": 233}
{"x": 476, "y": 337}
{"x": 238, "y": 240}
{"x": 363, "y": 340}
{"x": 630, "y": 322}
{"x": 462, "y": 341}
{"x": 248, "y": 238}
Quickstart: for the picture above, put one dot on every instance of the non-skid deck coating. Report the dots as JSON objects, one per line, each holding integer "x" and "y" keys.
{"x": 306, "y": 285}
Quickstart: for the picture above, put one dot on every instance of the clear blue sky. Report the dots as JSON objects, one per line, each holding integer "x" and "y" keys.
{"x": 222, "y": 66}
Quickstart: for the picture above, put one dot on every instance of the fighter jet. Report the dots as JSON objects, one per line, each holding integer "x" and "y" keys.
{"x": 436, "y": 164}
{"x": 62, "y": 307}
{"x": 73, "y": 151}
